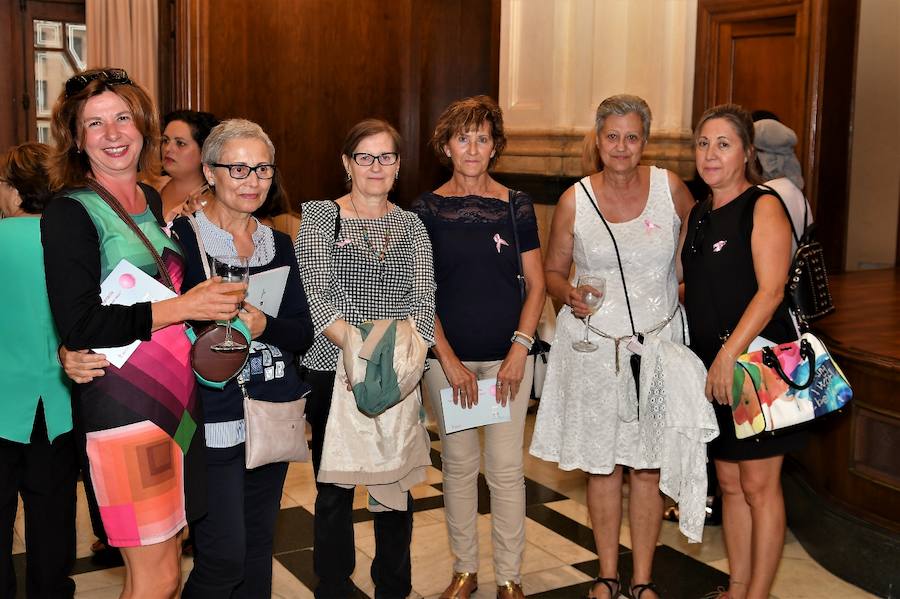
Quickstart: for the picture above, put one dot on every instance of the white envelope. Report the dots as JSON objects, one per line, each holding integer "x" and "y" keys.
{"x": 266, "y": 289}
{"x": 486, "y": 411}
{"x": 127, "y": 285}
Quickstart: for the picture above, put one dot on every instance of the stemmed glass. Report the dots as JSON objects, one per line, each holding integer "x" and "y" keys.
{"x": 592, "y": 290}
{"x": 232, "y": 269}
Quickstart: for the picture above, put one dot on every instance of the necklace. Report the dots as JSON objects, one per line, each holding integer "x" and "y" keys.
{"x": 386, "y": 240}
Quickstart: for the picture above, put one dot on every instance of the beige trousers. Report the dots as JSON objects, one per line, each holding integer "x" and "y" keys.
{"x": 503, "y": 469}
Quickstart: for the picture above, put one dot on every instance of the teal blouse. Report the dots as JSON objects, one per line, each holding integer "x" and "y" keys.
{"x": 29, "y": 369}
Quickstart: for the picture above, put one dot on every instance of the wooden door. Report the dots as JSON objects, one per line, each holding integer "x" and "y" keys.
{"x": 796, "y": 59}
{"x": 307, "y": 70}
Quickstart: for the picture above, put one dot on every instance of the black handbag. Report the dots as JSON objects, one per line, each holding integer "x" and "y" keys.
{"x": 807, "y": 286}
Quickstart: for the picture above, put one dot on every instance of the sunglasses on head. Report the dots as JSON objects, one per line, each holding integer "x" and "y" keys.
{"x": 109, "y": 77}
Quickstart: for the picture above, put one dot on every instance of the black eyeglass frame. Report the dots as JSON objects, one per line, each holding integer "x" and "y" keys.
{"x": 396, "y": 156}
{"x": 252, "y": 169}
{"x": 77, "y": 83}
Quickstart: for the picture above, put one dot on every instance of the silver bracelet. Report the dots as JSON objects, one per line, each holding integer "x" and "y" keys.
{"x": 523, "y": 342}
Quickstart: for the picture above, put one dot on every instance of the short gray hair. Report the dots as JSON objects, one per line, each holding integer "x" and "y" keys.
{"x": 621, "y": 105}
{"x": 233, "y": 129}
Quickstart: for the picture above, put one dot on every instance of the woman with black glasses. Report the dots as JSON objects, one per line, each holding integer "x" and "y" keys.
{"x": 735, "y": 260}
{"x": 363, "y": 258}
{"x": 233, "y": 541}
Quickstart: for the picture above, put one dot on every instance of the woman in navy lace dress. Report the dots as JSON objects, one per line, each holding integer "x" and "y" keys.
{"x": 483, "y": 330}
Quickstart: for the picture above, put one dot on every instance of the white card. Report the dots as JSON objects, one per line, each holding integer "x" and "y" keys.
{"x": 127, "y": 285}
{"x": 486, "y": 411}
{"x": 267, "y": 288}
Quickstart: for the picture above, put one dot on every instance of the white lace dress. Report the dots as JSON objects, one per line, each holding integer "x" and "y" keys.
{"x": 588, "y": 415}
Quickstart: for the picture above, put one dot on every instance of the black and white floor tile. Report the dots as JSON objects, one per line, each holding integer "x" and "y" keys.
{"x": 559, "y": 560}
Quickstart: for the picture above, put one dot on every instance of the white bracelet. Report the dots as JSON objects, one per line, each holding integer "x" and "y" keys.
{"x": 523, "y": 342}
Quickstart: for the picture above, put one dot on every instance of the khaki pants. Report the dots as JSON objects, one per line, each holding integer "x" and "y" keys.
{"x": 503, "y": 469}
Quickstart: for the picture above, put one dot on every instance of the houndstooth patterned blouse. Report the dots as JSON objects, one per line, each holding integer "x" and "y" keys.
{"x": 345, "y": 274}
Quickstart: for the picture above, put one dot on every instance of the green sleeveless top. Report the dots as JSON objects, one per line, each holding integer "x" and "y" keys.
{"x": 29, "y": 367}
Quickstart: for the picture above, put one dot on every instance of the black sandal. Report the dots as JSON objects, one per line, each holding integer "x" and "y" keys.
{"x": 638, "y": 590}
{"x": 608, "y": 583}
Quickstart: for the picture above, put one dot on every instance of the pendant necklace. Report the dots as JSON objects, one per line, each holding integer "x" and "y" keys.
{"x": 378, "y": 254}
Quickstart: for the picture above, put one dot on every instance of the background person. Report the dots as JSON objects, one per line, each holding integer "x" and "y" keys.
{"x": 184, "y": 132}
{"x": 37, "y": 449}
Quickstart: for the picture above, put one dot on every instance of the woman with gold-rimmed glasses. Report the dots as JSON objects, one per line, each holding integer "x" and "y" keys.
{"x": 361, "y": 258}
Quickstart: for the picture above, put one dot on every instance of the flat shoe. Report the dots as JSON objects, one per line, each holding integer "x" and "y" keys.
{"x": 462, "y": 586}
{"x": 510, "y": 590}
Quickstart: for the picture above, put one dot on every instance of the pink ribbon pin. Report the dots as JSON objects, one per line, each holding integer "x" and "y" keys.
{"x": 650, "y": 225}
{"x": 342, "y": 243}
{"x": 717, "y": 246}
{"x": 499, "y": 241}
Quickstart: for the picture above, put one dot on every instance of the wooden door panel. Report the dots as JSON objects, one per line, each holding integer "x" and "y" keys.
{"x": 762, "y": 79}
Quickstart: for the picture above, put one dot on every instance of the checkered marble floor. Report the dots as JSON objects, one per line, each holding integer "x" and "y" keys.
{"x": 559, "y": 560}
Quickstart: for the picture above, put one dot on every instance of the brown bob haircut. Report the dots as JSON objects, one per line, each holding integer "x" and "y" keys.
{"x": 368, "y": 128}
{"x": 69, "y": 166}
{"x": 742, "y": 123}
{"x": 24, "y": 167}
{"x": 466, "y": 115}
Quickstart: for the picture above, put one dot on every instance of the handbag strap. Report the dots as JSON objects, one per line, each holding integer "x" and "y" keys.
{"x": 515, "y": 231}
{"x": 117, "y": 207}
{"x": 513, "y": 194}
{"x": 618, "y": 256}
{"x": 200, "y": 245}
{"x": 771, "y": 191}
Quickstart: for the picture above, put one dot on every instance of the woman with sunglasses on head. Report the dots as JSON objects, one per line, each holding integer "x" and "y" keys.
{"x": 363, "y": 258}
{"x": 735, "y": 260}
{"x": 484, "y": 330}
{"x": 233, "y": 541}
{"x": 184, "y": 132}
{"x": 141, "y": 419}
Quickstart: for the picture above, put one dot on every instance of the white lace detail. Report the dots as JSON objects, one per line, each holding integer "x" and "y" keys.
{"x": 587, "y": 416}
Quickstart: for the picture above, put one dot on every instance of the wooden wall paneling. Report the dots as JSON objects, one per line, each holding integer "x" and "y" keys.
{"x": 829, "y": 183}
{"x": 307, "y": 70}
{"x": 166, "y": 56}
{"x": 11, "y": 114}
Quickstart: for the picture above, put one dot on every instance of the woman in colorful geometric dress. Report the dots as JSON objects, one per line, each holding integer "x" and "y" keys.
{"x": 142, "y": 419}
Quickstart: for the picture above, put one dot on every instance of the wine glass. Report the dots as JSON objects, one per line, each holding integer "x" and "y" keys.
{"x": 232, "y": 269}
{"x": 592, "y": 290}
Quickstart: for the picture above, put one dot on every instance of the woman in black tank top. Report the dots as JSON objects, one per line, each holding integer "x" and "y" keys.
{"x": 735, "y": 259}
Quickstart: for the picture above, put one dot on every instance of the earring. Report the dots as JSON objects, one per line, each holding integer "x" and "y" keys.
{"x": 397, "y": 176}
{"x": 348, "y": 176}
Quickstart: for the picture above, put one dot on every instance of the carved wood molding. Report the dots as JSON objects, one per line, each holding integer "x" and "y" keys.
{"x": 192, "y": 54}
{"x": 555, "y": 152}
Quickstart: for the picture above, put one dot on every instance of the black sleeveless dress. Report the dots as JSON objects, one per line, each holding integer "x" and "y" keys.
{"x": 719, "y": 283}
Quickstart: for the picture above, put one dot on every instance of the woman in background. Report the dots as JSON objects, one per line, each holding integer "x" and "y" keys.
{"x": 184, "y": 132}
{"x": 483, "y": 330}
{"x": 37, "y": 449}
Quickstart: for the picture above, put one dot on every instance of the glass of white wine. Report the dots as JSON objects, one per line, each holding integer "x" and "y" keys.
{"x": 593, "y": 290}
{"x": 232, "y": 269}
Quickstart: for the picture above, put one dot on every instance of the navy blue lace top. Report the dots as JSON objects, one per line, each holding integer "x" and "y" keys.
{"x": 475, "y": 268}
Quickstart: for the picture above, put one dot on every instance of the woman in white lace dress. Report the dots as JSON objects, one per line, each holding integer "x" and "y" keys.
{"x": 588, "y": 417}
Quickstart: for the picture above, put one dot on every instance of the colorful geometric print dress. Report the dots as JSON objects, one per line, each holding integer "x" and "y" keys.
{"x": 142, "y": 420}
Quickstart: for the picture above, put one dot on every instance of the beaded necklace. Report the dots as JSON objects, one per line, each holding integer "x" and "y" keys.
{"x": 378, "y": 254}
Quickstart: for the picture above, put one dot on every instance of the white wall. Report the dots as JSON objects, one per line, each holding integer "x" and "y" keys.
{"x": 560, "y": 58}
{"x": 875, "y": 163}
